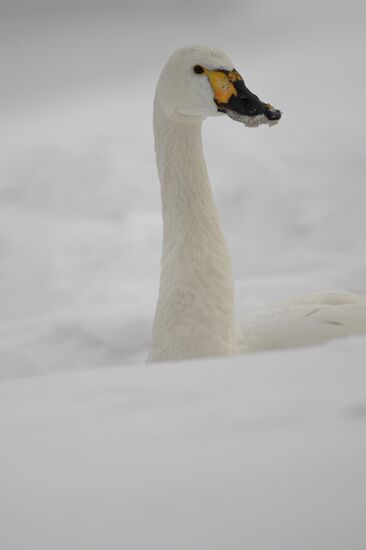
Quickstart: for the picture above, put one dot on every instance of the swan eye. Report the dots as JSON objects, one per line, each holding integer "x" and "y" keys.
{"x": 198, "y": 69}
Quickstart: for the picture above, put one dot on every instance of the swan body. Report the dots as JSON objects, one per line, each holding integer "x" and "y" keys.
{"x": 195, "y": 309}
{"x": 311, "y": 320}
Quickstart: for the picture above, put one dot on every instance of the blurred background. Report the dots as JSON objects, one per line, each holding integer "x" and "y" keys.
{"x": 80, "y": 221}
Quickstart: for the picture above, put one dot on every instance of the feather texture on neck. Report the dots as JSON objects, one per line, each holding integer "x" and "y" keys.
{"x": 195, "y": 310}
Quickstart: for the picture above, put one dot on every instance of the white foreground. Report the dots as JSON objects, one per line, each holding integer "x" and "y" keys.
{"x": 263, "y": 452}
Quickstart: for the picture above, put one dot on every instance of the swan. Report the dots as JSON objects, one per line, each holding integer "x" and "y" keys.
{"x": 194, "y": 315}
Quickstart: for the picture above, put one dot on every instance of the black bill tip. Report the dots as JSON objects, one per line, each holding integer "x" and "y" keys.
{"x": 271, "y": 113}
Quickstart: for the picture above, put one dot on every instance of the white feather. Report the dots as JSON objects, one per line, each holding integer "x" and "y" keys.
{"x": 195, "y": 310}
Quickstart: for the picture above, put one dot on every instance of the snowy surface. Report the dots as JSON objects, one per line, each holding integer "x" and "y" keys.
{"x": 263, "y": 452}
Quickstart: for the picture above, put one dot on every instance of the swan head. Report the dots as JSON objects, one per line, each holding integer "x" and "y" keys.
{"x": 198, "y": 82}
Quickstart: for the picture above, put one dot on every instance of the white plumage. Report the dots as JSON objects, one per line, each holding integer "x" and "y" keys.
{"x": 195, "y": 310}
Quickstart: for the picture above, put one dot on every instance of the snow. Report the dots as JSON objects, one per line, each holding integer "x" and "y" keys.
{"x": 262, "y": 451}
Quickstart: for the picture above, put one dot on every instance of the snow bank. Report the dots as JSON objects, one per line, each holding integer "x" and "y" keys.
{"x": 263, "y": 452}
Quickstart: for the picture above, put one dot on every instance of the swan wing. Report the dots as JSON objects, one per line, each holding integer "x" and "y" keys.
{"x": 306, "y": 321}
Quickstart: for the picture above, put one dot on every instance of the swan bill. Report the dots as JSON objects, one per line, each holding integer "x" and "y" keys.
{"x": 233, "y": 98}
{"x": 251, "y": 121}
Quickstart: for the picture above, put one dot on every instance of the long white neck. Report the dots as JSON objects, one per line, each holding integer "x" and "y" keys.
{"x": 195, "y": 310}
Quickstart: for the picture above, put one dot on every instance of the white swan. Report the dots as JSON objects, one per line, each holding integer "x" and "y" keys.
{"x": 195, "y": 310}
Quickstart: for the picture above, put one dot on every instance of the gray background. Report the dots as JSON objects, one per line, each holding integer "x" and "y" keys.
{"x": 80, "y": 223}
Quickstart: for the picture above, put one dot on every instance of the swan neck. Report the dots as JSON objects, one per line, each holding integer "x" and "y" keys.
{"x": 195, "y": 312}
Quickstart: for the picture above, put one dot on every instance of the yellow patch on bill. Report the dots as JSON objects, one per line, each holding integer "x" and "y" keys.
{"x": 222, "y": 85}
{"x": 234, "y": 76}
